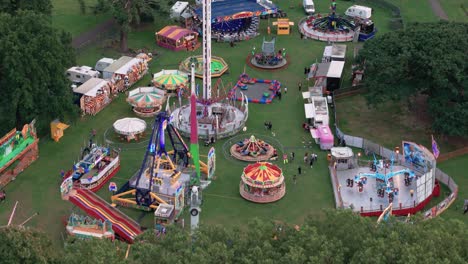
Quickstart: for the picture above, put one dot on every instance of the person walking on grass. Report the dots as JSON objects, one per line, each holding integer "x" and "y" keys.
{"x": 299, "y": 85}
{"x": 311, "y": 163}
{"x": 292, "y": 156}
{"x": 306, "y": 157}
{"x": 299, "y": 170}
{"x": 285, "y": 158}
{"x": 285, "y": 90}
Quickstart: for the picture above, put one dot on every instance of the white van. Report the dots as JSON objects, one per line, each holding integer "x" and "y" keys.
{"x": 309, "y": 6}
{"x": 362, "y": 12}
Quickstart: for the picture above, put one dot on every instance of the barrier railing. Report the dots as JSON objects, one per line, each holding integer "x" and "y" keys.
{"x": 369, "y": 146}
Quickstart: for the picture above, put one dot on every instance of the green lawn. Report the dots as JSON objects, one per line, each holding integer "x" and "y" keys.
{"x": 66, "y": 15}
{"x": 456, "y": 168}
{"x": 454, "y": 10}
{"x": 37, "y": 189}
{"x": 415, "y": 10}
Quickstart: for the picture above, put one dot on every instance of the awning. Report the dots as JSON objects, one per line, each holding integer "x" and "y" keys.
{"x": 336, "y": 69}
{"x": 309, "y": 110}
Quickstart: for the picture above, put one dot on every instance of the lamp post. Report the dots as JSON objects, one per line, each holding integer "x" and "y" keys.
{"x": 397, "y": 151}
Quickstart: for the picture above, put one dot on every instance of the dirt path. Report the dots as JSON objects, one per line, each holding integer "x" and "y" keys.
{"x": 438, "y": 10}
{"x": 93, "y": 34}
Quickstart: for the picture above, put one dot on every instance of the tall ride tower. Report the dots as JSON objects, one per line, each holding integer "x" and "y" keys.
{"x": 206, "y": 49}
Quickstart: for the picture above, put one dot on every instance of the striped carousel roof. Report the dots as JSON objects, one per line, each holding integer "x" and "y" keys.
{"x": 170, "y": 78}
{"x": 262, "y": 174}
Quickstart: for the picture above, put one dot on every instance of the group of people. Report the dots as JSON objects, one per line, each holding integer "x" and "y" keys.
{"x": 310, "y": 159}
{"x": 268, "y": 125}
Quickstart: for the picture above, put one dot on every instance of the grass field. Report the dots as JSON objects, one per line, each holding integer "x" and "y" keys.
{"x": 454, "y": 10}
{"x": 37, "y": 188}
{"x": 66, "y": 15}
{"x": 415, "y": 10}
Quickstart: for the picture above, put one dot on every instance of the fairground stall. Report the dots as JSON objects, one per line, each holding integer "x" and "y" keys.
{"x": 262, "y": 182}
{"x": 177, "y": 38}
{"x": 125, "y": 72}
{"x": 95, "y": 94}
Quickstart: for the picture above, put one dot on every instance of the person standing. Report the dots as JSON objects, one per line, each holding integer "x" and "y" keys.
{"x": 285, "y": 158}
{"x": 299, "y": 170}
{"x": 279, "y": 94}
{"x": 62, "y": 173}
{"x": 293, "y": 156}
{"x": 306, "y": 157}
{"x": 295, "y": 179}
{"x": 311, "y": 163}
{"x": 299, "y": 85}
{"x": 285, "y": 90}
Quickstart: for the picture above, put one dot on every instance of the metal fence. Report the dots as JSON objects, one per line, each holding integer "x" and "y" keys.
{"x": 370, "y": 147}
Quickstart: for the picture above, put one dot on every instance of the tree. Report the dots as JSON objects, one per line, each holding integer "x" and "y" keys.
{"x": 94, "y": 251}
{"x": 20, "y": 245}
{"x": 428, "y": 58}
{"x": 33, "y": 59}
{"x": 13, "y": 6}
{"x": 128, "y": 13}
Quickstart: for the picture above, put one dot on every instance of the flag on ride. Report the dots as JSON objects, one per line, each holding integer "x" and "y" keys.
{"x": 435, "y": 148}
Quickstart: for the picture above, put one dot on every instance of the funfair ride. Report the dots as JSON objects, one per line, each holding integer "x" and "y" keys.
{"x": 217, "y": 117}
{"x": 97, "y": 166}
{"x": 384, "y": 177}
{"x": 163, "y": 176}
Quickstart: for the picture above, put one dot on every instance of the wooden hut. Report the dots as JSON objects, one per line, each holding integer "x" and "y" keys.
{"x": 177, "y": 38}
{"x": 95, "y": 95}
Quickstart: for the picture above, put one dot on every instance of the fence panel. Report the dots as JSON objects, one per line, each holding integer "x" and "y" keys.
{"x": 371, "y": 147}
{"x": 386, "y": 153}
{"x": 353, "y": 141}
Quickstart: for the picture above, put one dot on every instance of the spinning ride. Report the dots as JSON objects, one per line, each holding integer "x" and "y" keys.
{"x": 164, "y": 176}
{"x": 269, "y": 58}
{"x": 262, "y": 182}
{"x": 252, "y": 149}
{"x": 384, "y": 180}
{"x": 218, "y": 66}
{"x": 170, "y": 80}
{"x": 146, "y": 101}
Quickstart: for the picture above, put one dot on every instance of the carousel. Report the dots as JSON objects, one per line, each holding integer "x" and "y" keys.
{"x": 252, "y": 149}
{"x": 146, "y": 101}
{"x": 262, "y": 182}
{"x": 130, "y": 128}
{"x": 170, "y": 80}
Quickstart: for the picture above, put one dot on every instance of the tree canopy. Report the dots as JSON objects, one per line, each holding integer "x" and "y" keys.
{"x": 424, "y": 58}
{"x": 130, "y": 12}
{"x": 335, "y": 237}
{"x": 13, "y": 6}
{"x": 33, "y": 60}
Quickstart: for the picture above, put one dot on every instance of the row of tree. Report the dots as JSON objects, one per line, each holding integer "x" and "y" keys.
{"x": 336, "y": 237}
{"x": 34, "y": 56}
{"x": 424, "y": 59}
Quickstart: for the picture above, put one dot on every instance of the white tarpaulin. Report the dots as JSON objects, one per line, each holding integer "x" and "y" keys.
{"x": 129, "y": 126}
{"x": 336, "y": 69}
{"x": 309, "y": 110}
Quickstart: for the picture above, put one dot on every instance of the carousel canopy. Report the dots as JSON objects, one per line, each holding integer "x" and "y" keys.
{"x": 146, "y": 97}
{"x": 170, "y": 78}
{"x": 129, "y": 126}
{"x": 263, "y": 174}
